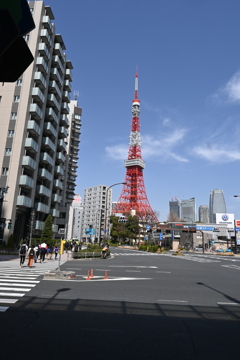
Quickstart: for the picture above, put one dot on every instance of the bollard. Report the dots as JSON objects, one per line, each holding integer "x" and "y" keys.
{"x": 89, "y": 276}
{"x": 106, "y": 275}
{"x": 92, "y": 275}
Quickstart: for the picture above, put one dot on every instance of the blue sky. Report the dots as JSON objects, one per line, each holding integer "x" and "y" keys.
{"x": 188, "y": 56}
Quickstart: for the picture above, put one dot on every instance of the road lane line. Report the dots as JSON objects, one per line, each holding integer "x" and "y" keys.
{"x": 3, "y": 308}
{"x": 133, "y": 270}
{"x": 21, "y": 281}
{"x": 14, "y": 289}
{"x": 9, "y": 284}
{"x": 8, "y": 294}
{"x": 164, "y": 272}
{"x": 228, "y": 303}
{"x": 8, "y": 301}
{"x": 179, "y": 301}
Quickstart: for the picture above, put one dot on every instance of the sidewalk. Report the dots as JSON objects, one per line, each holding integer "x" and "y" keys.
{"x": 13, "y": 259}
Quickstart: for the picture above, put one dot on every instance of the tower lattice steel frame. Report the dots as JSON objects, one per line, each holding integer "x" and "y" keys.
{"x": 133, "y": 195}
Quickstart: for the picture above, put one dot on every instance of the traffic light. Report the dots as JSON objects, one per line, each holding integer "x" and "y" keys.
{"x": 9, "y": 225}
{"x": 15, "y": 22}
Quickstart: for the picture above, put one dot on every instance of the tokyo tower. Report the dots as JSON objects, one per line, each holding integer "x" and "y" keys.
{"x": 133, "y": 195}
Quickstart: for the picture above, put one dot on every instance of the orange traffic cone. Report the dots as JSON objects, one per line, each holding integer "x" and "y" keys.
{"x": 89, "y": 276}
{"x": 106, "y": 275}
{"x": 92, "y": 275}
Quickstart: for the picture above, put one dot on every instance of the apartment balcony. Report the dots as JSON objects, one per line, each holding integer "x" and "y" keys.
{"x": 24, "y": 201}
{"x": 33, "y": 128}
{"x": 46, "y": 38}
{"x": 70, "y": 188}
{"x": 74, "y": 153}
{"x": 29, "y": 163}
{"x": 58, "y": 51}
{"x": 47, "y": 23}
{"x": 73, "y": 161}
{"x": 56, "y": 198}
{"x": 36, "y": 112}
{"x": 71, "y": 179}
{"x": 58, "y": 184}
{"x": 50, "y": 114}
{"x": 68, "y": 74}
{"x": 67, "y": 86}
{"x": 48, "y": 143}
{"x": 46, "y": 158}
{"x": 60, "y": 157}
{"x": 40, "y": 80}
{"x": 62, "y": 132}
{"x": 64, "y": 120}
{"x": 75, "y": 145}
{"x": 31, "y": 145}
{"x": 48, "y": 127}
{"x": 70, "y": 196}
{"x": 57, "y": 62}
{"x": 61, "y": 144}
{"x": 26, "y": 181}
{"x": 38, "y": 95}
{"x": 66, "y": 96}
{"x": 43, "y": 190}
{"x": 39, "y": 225}
{"x": 41, "y": 207}
{"x": 59, "y": 170}
{"x": 52, "y": 101}
{"x": 55, "y": 75}
{"x": 44, "y": 174}
{"x": 65, "y": 108}
{"x": 77, "y": 129}
{"x": 43, "y": 50}
{"x": 54, "y": 213}
{"x": 75, "y": 135}
{"x": 42, "y": 65}
{"x": 54, "y": 88}
{"x": 72, "y": 170}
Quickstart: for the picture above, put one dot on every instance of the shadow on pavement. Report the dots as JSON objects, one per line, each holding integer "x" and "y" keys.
{"x": 93, "y": 329}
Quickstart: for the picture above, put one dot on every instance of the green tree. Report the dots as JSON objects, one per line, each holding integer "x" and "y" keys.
{"x": 47, "y": 233}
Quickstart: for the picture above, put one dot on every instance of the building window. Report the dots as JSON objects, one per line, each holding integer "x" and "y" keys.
{"x": 31, "y": 9}
{"x": 4, "y": 171}
{"x": 10, "y": 133}
{"x": 13, "y": 115}
{"x": 19, "y": 82}
{"x": 8, "y": 151}
{"x": 16, "y": 98}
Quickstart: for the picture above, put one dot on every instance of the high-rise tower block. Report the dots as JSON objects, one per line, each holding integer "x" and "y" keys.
{"x": 133, "y": 195}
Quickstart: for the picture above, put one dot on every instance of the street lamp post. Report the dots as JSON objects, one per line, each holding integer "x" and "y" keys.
{"x": 106, "y": 209}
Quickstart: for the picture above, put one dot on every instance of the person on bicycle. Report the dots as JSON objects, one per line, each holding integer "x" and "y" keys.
{"x": 104, "y": 251}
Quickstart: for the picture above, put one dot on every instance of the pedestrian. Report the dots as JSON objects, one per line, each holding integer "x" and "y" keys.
{"x": 43, "y": 249}
{"x": 31, "y": 255}
{"x": 22, "y": 253}
{"x": 36, "y": 249}
{"x": 56, "y": 250}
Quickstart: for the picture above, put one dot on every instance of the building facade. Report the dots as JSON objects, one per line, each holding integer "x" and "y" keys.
{"x": 188, "y": 209}
{"x": 75, "y": 219}
{"x": 203, "y": 214}
{"x": 216, "y": 204}
{"x": 174, "y": 207}
{"x": 97, "y": 208}
{"x": 34, "y": 133}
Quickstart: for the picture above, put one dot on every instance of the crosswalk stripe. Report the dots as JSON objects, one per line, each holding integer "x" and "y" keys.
{"x": 9, "y": 284}
{"x": 14, "y": 289}
{"x": 8, "y": 301}
{"x": 8, "y": 294}
{"x": 16, "y": 277}
{"x": 3, "y": 308}
{"x": 21, "y": 281}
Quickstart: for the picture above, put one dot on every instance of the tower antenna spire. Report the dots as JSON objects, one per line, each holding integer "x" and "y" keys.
{"x": 136, "y": 84}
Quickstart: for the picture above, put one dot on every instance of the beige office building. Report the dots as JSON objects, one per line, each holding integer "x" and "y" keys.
{"x": 39, "y": 133}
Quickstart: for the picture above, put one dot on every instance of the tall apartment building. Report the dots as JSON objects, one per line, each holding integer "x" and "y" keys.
{"x": 174, "y": 207}
{"x": 97, "y": 207}
{"x": 216, "y": 204}
{"x": 34, "y": 135}
{"x": 203, "y": 214}
{"x": 75, "y": 219}
{"x": 188, "y": 209}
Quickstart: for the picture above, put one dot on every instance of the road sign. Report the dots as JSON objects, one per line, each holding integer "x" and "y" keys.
{"x": 205, "y": 228}
{"x": 148, "y": 227}
{"x": 160, "y": 236}
{"x": 61, "y": 231}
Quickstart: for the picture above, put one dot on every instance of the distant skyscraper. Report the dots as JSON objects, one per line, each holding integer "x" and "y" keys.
{"x": 203, "y": 213}
{"x": 216, "y": 204}
{"x": 188, "y": 209}
{"x": 174, "y": 207}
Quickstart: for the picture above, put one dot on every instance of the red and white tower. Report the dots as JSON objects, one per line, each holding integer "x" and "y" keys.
{"x": 133, "y": 195}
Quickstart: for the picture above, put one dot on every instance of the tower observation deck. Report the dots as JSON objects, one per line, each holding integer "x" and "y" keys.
{"x": 133, "y": 195}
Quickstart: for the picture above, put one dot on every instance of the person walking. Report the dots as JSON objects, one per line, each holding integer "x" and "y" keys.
{"x": 22, "y": 253}
{"x": 56, "y": 251}
{"x": 43, "y": 250}
{"x": 36, "y": 249}
{"x": 31, "y": 255}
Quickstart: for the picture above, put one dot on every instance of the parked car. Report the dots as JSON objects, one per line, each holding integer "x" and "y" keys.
{"x": 198, "y": 248}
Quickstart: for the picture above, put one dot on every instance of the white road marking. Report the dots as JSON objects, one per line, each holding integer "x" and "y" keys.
{"x": 131, "y": 266}
{"x": 235, "y": 267}
{"x": 9, "y": 284}
{"x": 179, "y": 301}
{"x": 3, "y": 308}
{"x": 8, "y": 301}
{"x": 132, "y": 270}
{"x": 92, "y": 280}
{"x": 164, "y": 272}
{"x": 228, "y": 303}
{"x": 74, "y": 269}
{"x": 21, "y": 281}
{"x": 14, "y": 289}
{"x": 16, "y": 277}
{"x": 8, "y": 294}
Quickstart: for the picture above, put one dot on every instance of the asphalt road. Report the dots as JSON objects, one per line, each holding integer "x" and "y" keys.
{"x": 150, "y": 307}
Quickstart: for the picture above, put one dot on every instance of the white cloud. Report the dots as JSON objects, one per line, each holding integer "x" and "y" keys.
{"x": 160, "y": 147}
{"x": 216, "y": 154}
{"x": 231, "y": 91}
{"x": 166, "y": 122}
